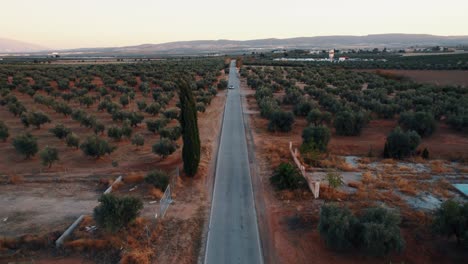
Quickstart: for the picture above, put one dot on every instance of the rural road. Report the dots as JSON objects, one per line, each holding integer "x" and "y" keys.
{"x": 233, "y": 235}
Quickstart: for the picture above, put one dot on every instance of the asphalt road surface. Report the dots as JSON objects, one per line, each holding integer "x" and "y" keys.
{"x": 233, "y": 232}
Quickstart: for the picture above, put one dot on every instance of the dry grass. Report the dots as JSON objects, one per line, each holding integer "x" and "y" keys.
{"x": 331, "y": 194}
{"x": 367, "y": 178}
{"x": 15, "y": 179}
{"x": 437, "y": 166}
{"x": 134, "y": 177}
{"x": 346, "y": 167}
{"x": 86, "y": 244}
{"x": 405, "y": 169}
{"x": 365, "y": 160}
{"x": 155, "y": 192}
{"x": 407, "y": 187}
{"x": 388, "y": 161}
{"x": 354, "y": 184}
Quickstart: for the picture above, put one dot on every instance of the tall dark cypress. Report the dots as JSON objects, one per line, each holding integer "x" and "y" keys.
{"x": 189, "y": 124}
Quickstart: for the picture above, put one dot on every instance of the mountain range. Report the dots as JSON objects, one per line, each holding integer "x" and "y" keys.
{"x": 223, "y": 46}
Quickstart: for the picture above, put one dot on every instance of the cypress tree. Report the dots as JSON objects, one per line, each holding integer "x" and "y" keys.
{"x": 190, "y": 135}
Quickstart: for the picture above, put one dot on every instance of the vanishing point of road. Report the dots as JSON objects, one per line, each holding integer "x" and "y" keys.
{"x": 233, "y": 235}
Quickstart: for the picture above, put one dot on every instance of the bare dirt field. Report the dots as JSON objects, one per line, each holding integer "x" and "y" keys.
{"x": 437, "y": 77}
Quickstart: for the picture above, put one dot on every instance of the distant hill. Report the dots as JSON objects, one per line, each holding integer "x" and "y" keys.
{"x": 226, "y": 46}
{"x": 321, "y": 42}
{"x": 10, "y": 46}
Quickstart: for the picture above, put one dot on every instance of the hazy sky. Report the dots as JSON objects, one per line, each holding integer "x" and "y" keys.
{"x": 93, "y": 23}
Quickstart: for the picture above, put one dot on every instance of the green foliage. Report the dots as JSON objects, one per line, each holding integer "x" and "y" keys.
{"x": 303, "y": 108}
{"x": 96, "y": 147}
{"x": 172, "y": 133}
{"x": 401, "y": 144}
{"x": 287, "y": 176}
{"x": 153, "y": 108}
{"x": 164, "y": 147}
{"x": 26, "y": 145}
{"x": 98, "y": 127}
{"x": 156, "y": 125}
{"x": 349, "y": 123}
{"x": 315, "y": 137}
{"x": 4, "y": 134}
{"x": 379, "y": 232}
{"x": 222, "y": 84}
{"x": 171, "y": 113}
{"x": 314, "y": 117}
{"x": 48, "y": 156}
{"x": 421, "y": 122}
{"x": 334, "y": 179}
{"x": 114, "y": 213}
{"x": 451, "y": 219}
{"x": 376, "y": 232}
{"x": 425, "y": 154}
{"x": 135, "y": 118}
{"x": 281, "y": 121}
{"x": 138, "y": 140}
{"x": 189, "y": 124}
{"x": 124, "y": 101}
{"x": 114, "y": 132}
{"x": 72, "y": 140}
{"x": 158, "y": 179}
{"x": 337, "y": 227}
{"x": 60, "y": 131}
{"x": 35, "y": 118}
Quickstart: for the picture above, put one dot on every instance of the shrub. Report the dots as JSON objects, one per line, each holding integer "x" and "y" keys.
{"x": 153, "y": 108}
{"x": 451, "y": 219}
{"x": 124, "y": 101}
{"x": 303, "y": 108}
{"x": 421, "y": 122}
{"x": 172, "y": 133}
{"x": 4, "y": 134}
{"x": 141, "y": 105}
{"x": 138, "y": 140}
{"x": 164, "y": 147}
{"x": 156, "y": 125}
{"x": 349, "y": 123}
{"x": 287, "y": 176}
{"x": 36, "y": 119}
{"x": 334, "y": 179}
{"x": 222, "y": 84}
{"x": 314, "y": 117}
{"x": 72, "y": 140}
{"x": 96, "y": 147}
{"x": 60, "y": 131}
{"x": 48, "y": 156}
{"x": 158, "y": 179}
{"x": 26, "y": 145}
{"x": 379, "y": 232}
{"x": 337, "y": 226}
{"x": 172, "y": 113}
{"x": 135, "y": 118}
{"x": 115, "y": 133}
{"x": 114, "y": 213}
{"x": 281, "y": 121}
{"x": 98, "y": 127}
{"x": 401, "y": 144}
{"x": 315, "y": 137}
{"x": 126, "y": 129}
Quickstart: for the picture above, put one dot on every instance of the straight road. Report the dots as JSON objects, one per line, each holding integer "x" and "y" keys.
{"x": 233, "y": 232}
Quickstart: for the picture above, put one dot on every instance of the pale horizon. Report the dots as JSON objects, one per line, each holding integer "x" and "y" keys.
{"x": 62, "y": 24}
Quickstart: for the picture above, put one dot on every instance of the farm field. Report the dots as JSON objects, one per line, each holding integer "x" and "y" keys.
{"x": 413, "y": 187}
{"x": 437, "y": 77}
{"x": 41, "y": 201}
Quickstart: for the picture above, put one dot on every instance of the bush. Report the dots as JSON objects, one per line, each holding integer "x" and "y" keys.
{"x": 172, "y": 113}
{"x": 164, "y": 147}
{"x": 349, "y": 123}
{"x": 124, "y": 101}
{"x": 153, "y": 108}
{"x": 303, "y": 108}
{"x": 281, "y": 121}
{"x": 156, "y": 125}
{"x": 36, "y": 119}
{"x": 337, "y": 226}
{"x": 334, "y": 180}
{"x": 115, "y": 133}
{"x": 421, "y": 122}
{"x": 316, "y": 137}
{"x": 138, "y": 140}
{"x": 60, "y": 131}
{"x": 287, "y": 176}
{"x": 401, "y": 144}
{"x": 172, "y": 133}
{"x": 451, "y": 219}
{"x": 314, "y": 117}
{"x": 4, "y": 134}
{"x": 375, "y": 232}
{"x": 96, "y": 147}
{"x": 379, "y": 232}
{"x": 72, "y": 140}
{"x": 158, "y": 179}
{"x": 113, "y": 213}
{"x": 26, "y": 145}
{"x": 222, "y": 84}
{"x": 48, "y": 156}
